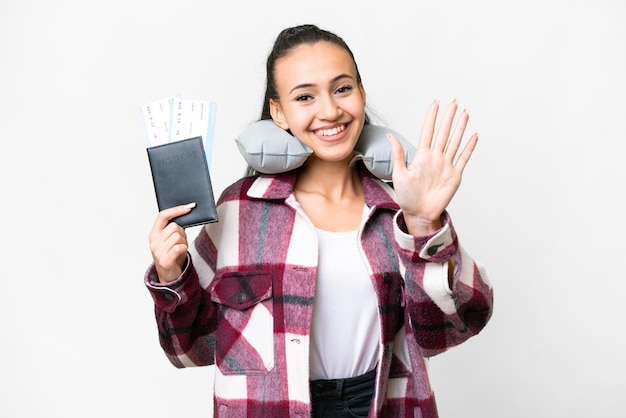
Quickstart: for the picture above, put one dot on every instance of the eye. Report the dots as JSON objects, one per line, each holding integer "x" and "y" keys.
{"x": 346, "y": 88}
{"x": 303, "y": 97}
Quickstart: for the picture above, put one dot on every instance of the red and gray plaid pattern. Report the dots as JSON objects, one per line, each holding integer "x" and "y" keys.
{"x": 247, "y": 307}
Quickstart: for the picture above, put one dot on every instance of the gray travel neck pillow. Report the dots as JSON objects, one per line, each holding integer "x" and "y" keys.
{"x": 269, "y": 149}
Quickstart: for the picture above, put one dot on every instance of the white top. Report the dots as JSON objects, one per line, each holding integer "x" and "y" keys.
{"x": 344, "y": 329}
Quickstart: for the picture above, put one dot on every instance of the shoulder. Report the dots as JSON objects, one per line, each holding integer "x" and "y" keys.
{"x": 263, "y": 186}
{"x": 236, "y": 190}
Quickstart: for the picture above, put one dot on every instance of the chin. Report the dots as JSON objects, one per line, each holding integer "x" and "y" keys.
{"x": 337, "y": 158}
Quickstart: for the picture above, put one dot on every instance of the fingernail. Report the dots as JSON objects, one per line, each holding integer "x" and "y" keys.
{"x": 455, "y": 101}
{"x": 190, "y": 205}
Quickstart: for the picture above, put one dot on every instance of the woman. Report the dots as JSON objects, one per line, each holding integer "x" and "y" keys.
{"x": 321, "y": 291}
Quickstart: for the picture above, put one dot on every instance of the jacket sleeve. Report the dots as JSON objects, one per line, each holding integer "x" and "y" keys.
{"x": 185, "y": 315}
{"x": 440, "y": 317}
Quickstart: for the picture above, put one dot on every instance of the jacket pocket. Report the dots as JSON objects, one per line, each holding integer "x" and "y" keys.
{"x": 245, "y": 332}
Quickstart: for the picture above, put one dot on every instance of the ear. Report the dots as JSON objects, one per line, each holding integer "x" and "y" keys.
{"x": 277, "y": 114}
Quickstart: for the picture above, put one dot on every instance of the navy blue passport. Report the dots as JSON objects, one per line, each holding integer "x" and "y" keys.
{"x": 180, "y": 175}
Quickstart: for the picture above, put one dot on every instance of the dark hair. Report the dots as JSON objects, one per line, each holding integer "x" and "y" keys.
{"x": 288, "y": 39}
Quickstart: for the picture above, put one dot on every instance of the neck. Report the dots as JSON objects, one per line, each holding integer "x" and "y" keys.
{"x": 331, "y": 194}
{"x": 335, "y": 180}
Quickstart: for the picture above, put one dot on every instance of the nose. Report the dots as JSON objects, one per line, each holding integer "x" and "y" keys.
{"x": 329, "y": 108}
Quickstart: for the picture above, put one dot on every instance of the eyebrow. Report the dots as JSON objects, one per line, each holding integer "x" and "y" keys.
{"x": 305, "y": 85}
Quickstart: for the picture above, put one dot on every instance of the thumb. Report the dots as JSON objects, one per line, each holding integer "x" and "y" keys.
{"x": 397, "y": 152}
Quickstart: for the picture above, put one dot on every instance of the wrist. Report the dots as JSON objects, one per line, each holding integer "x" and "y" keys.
{"x": 166, "y": 276}
{"x": 420, "y": 226}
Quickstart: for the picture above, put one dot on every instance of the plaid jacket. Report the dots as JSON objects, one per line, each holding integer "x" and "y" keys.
{"x": 245, "y": 298}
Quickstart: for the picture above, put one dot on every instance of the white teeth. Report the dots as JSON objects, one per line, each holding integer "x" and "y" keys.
{"x": 330, "y": 132}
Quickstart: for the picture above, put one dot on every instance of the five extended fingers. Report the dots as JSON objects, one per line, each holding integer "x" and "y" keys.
{"x": 447, "y": 141}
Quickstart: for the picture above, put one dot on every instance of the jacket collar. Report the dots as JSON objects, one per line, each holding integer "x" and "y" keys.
{"x": 280, "y": 186}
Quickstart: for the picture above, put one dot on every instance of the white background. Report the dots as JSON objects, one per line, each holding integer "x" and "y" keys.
{"x": 541, "y": 204}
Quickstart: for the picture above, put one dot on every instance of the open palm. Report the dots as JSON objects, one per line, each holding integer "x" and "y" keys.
{"x": 425, "y": 186}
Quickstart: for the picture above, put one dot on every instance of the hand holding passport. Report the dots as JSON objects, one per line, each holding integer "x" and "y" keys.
{"x": 180, "y": 170}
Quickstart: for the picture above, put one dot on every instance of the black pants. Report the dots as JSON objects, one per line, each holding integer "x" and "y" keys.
{"x": 338, "y": 398}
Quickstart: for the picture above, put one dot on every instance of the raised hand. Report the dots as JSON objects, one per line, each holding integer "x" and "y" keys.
{"x": 168, "y": 243}
{"x": 426, "y": 186}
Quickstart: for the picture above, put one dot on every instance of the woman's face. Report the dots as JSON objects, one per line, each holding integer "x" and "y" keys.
{"x": 320, "y": 100}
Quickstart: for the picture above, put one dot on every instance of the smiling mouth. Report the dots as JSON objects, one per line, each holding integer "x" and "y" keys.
{"x": 330, "y": 132}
